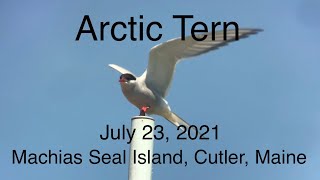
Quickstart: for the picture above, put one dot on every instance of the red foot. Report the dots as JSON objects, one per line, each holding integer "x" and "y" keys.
{"x": 143, "y": 110}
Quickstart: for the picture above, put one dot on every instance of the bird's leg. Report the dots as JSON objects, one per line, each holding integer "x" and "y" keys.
{"x": 143, "y": 110}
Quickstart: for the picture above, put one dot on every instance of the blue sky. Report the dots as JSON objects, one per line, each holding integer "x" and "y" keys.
{"x": 57, "y": 93}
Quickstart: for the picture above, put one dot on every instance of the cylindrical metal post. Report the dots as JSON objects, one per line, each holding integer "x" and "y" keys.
{"x": 141, "y": 125}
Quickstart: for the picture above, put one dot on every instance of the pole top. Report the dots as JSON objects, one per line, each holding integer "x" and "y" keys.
{"x": 142, "y": 117}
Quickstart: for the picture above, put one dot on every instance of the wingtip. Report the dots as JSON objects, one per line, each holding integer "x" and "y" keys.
{"x": 251, "y": 30}
{"x": 258, "y": 30}
{"x": 111, "y": 65}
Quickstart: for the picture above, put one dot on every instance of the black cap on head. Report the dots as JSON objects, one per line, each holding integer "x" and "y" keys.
{"x": 127, "y": 77}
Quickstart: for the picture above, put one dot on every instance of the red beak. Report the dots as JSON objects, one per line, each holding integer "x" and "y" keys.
{"x": 122, "y": 80}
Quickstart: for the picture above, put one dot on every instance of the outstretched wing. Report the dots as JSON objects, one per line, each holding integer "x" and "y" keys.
{"x": 164, "y": 57}
{"x": 120, "y": 69}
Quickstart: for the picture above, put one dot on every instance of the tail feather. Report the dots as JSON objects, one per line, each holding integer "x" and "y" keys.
{"x": 177, "y": 121}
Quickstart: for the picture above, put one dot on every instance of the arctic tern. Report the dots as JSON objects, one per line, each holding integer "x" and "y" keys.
{"x": 148, "y": 91}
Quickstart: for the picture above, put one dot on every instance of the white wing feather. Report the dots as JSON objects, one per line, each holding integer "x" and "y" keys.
{"x": 164, "y": 57}
{"x": 120, "y": 69}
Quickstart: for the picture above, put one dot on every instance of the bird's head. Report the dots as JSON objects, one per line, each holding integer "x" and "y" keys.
{"x": 127, "y": 78}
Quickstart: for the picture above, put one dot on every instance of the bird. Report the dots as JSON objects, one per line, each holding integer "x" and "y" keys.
{"x": 148, "y": 91}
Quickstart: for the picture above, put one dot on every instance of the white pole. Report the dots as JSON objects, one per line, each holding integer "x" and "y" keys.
{"x": 141, "y": 125}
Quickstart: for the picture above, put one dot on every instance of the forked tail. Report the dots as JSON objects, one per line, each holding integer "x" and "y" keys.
{"x": 176, "y": 120}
